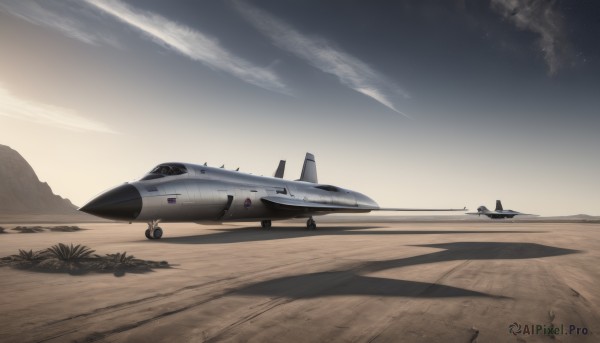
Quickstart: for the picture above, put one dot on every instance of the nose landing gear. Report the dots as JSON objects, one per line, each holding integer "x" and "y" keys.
{"x": 154, "y": 231}
{"x": 311, "y": 224}
{"x": 265, "y": 224}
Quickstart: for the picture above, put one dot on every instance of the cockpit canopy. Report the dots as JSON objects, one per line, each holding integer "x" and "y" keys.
{"x": 165, "y": 169}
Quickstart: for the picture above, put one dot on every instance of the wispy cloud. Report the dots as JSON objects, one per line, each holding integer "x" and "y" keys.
{"x": 46, "y": 14}
{"x": 15, "y": 107}
{"x": 542, "y": 18}
{"x": 190, "y": 43}
{"x": 68, "y": 18}
{"x": 351, "y": 71}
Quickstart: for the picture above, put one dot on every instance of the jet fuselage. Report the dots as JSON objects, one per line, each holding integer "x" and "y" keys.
{"x": 197, "y": 193}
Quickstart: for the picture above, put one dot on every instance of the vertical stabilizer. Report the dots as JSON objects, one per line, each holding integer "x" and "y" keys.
{"x": 280, "y": 169}
{"x": 309, "y": 169}
{"x": 499, "y": 205}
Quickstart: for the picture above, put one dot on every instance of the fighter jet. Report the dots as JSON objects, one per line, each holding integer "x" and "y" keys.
{"x": 498, "y": 213}
{"x": 183, "y": 192}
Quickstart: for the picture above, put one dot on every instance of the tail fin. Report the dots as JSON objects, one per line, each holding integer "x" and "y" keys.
{"x": 309, "y": 170}
{"x": 280, "y": 169}
{"x": 499, "y": 205}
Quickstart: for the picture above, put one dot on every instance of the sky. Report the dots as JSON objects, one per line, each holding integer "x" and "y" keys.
{"x": 414, "y": 103}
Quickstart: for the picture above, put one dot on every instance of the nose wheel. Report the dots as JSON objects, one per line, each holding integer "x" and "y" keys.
{"x": 311, "y": 224}
{"x": 154, "y": 231}
{"x": 265, "y": 224}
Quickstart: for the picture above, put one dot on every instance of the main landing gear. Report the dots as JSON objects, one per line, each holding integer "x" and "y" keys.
{"x": 311, "y": 224}
{"x": 154, "y": 231}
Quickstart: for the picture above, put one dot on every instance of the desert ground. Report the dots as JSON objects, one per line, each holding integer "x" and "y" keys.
{"x": 361, "y": 282}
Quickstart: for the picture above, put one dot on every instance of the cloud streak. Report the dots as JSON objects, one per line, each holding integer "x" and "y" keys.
{"x": 15, "y": 107}
{"x": 541, "y": 18}
{"x": 46, "y": 16}
{"x": 190, "y": 43}
{"x": 351, "y": 72}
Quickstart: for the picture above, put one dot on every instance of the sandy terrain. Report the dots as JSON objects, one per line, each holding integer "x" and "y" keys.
{"x": 367, "y": 282}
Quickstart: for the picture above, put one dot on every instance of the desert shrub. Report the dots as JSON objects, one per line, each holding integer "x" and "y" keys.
{"x": 69, "y": 252}
{"x": 30, "y": 255}
{"x": 2, "y": 230}
{"x": 35, "y": 229}
{"x": 29, "y": 229}
{"x": 77, "y": 260}
{"x": 118, "y": 263}
{"x": 65, "y": 228}
{"x": 27, "y": 259}
{"x": 120, "y": 258}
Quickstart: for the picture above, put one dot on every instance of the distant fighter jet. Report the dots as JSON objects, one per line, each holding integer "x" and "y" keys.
{"x": 182, "y": 192}
{"x": 498, "y": 213}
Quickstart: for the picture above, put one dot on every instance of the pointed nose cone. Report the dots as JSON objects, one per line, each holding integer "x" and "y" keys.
{"x": 121, "y": 203}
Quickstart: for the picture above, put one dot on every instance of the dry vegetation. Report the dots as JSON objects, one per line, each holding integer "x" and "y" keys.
{"x": 29, "y": 229}
{"x": 2, "y": 230}
{"x": 35, "y": 229}
{"x": 64, "y": 228}
{"x": 77, "y": 260}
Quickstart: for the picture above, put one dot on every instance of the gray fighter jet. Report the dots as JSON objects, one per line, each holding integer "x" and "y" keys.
{"x": 498, "y": 213}
{"x": 182, "y": 192}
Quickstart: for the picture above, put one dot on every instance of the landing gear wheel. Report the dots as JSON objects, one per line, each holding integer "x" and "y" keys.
{"x": 311, "y": 224}
{"x": 153, "y": 231}
{"x": 265, "y": 224}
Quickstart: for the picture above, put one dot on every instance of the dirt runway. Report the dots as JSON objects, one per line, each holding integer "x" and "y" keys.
{"x": 367, "y": 282}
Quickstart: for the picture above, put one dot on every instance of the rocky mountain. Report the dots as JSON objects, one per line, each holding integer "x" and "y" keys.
{"x": 21, "y": 192}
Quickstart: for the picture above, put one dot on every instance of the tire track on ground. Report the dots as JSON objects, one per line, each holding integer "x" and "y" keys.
{"x": 268, "y": 306}
{"x": 127, "y": 304}
{"x": 59, "y": 328}
{"x": 333, "y": 280}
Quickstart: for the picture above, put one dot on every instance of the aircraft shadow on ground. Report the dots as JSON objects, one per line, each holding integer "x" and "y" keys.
{"x": 346, "y": 283}
{"x": 352, "y": 281}
{"x": 253, "y": 234}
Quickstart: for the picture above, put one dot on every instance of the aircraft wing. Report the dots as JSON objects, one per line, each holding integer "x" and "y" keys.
{"x": 422, "y": 209}
{"x": 301, "y": 205}
{"x": 296, "y": 204}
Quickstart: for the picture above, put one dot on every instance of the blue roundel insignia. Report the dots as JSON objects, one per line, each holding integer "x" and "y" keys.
{"x": 247, "y": 203}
